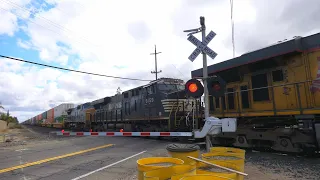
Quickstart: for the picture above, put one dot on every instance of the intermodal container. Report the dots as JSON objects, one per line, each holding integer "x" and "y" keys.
{"x": 44, "y": 115}
{"x": 38, "y": 119}
{"x": 60, "y": 112}
{"x": 50, "y": 115}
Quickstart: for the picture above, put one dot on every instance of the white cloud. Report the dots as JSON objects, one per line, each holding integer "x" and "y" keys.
{"x": 106, "y": 35}
{"x": 8, "y": 17}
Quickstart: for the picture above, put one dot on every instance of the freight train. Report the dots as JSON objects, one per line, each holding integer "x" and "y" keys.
{"x": 274, "y": 93}
{"x": 53, "y": 117}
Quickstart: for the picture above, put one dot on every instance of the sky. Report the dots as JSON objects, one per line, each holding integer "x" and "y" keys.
{"x": 116, "y": 37}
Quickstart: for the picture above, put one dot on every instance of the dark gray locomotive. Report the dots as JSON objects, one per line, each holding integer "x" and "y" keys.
{"x": 159, "y": 106}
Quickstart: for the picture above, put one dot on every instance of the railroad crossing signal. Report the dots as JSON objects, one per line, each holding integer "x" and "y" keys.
{"x": 216, "y": 87}
{"x": 194, "y": 88}
{"x": 202, "y": 46}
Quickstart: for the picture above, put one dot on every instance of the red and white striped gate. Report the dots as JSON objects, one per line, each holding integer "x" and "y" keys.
{"x": 178, "y": 134}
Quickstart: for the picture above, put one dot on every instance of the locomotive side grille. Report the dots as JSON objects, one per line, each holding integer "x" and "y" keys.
{"x": 173, "y": 104}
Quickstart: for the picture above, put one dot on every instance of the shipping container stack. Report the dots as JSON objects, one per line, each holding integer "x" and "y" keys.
{"x": 53, "y": 117}
{"x": 38, "y": 120}
{"x": 60, "y": 113}
{"x": 50, "y": 115}
{"x": 44, "y": 118}
{"x": 41, "y": 120}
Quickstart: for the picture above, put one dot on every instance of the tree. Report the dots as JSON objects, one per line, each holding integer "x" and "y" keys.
{"x": 6, "y": 117}
{"x": 1, "y": 107}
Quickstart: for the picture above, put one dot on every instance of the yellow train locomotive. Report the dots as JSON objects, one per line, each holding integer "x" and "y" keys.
{"x": 275, "y": 94}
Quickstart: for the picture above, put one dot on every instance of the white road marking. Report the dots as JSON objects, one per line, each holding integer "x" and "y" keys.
{"x": 19, "y": 150}
{"x": 21, "y": 162}
{"x": 110, "y": 165}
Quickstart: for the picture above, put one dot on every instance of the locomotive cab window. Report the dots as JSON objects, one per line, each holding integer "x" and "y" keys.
{"x": 170, "y": 87}
{"x": 230, "y": 95}
{"x": 217, "y": 102}
{"x": 260, "y": 81}
{"x": 150, "y": 89}
{"x": 277, "y": 75}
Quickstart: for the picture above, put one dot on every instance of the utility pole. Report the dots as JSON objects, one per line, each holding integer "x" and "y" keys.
{"x": 155, "y": 59}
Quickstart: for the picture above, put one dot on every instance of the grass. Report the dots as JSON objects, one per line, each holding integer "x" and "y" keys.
{"x": 16, "y": 126}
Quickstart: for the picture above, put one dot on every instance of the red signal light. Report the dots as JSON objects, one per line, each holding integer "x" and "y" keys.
{"x": 193, "y": 87}
{"x": 216, "y": 87}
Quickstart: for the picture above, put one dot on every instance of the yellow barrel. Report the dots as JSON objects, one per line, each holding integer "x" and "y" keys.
{"x": 151, "y": 163}
{"x": 207, "y": 169}
{"x": 229, "y": 160}
{"x": 235, "y": 151}
{"x": 181, "y": 151}
{"x": 173, "y": 172}
{"x": 204, "y": 177}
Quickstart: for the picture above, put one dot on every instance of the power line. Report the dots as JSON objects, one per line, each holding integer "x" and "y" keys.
{"x": 55, "y": 67}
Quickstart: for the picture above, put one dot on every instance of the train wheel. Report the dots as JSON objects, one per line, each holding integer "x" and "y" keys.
{"x": 241, "y": 141}
{"x": 284, "y": 144}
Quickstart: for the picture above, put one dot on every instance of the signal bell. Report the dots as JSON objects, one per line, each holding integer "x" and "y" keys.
{"x": 216, "y": 86}
{"x": 194, "y": 88}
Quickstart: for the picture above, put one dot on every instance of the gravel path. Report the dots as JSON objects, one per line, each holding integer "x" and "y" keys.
{"x": 283, "y": 167}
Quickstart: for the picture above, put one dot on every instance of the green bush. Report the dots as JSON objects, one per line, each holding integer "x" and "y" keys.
{"x": 16, "y": 126}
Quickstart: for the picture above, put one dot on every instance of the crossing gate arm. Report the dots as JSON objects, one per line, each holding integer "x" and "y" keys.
{"x": 212, "y": 126}
{"x": 184, "y": 134}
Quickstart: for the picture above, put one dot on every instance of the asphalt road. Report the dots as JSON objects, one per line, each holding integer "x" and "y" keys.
{"x": 114, "y": 158}
{"x": 71, "y": 157}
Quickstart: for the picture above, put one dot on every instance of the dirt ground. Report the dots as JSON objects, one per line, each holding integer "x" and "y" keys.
{"x": 14, "y": 136}
{"x": 23, "y": 137}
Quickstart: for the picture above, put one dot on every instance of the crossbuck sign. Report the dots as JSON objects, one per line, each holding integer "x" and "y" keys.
{"x": 202, "y": 46}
